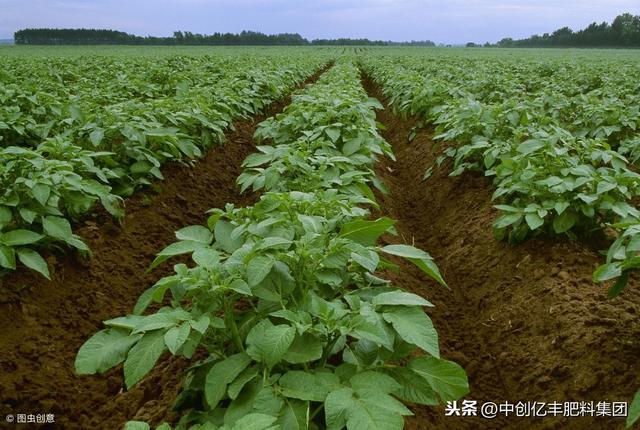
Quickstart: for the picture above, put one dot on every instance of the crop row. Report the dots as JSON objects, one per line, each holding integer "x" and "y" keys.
{"x": 282, "y": 302}
{"x": 79, "y": 132}
{"x": 559, "y": 139}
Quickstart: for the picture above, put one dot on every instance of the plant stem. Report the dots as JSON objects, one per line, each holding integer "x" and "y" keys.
{"x": 231, "y": 322}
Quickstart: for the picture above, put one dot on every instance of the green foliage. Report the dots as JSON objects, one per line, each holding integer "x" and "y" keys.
{"x": 283, "y": 298}
{"x": 559, "y": 139}
{"x": 622, "y": 257}
{"x": 75, "y": 133}
{"x": 634, "y": 410}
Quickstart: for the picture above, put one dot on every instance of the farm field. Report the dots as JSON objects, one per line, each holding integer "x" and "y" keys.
{"x": 309, "y": 238}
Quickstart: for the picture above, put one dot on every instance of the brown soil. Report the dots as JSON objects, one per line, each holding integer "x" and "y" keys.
{"x": 526, "y": 322}
{"x": 44, "y": 323}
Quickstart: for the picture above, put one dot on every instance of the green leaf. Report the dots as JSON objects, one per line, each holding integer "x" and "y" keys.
{"x": 41, "y": 192}
{"x": 413, "y": 388}
{"x": 176, "y": 337}
{"x": 365, "y": 232}
{"x": 446, "y": 378}
{"x": 176, "y": 248}
{"x": 143, "y": 356}
{"x": 157, "y": 321}
{"x": 312, "y": 224}
{"x": 415, "y": 327}
{"x": 330, "y": 277}
{"x": 400, "y": 298}
{"x": 634, "y": 410}
{"x": 96, "y": 136}
{"x": 34, "y": 261}
{"x": 376, "y": 412}
{"x": 273, "y": 243}
{"x": 7, "y": 257}
{"x": 560, "y": 207}
{"x": 5, "y": 215}
{"x": 507, "y": 219}
{"x": 334, "y": 134}
{"x": 136, "y": 425}
{"x": 370, "y": 264}
{"x": 564, "y": 222}
{"x": 370, "y": 329}
{"x": 155, "y": 293}
{"x": 336, "y": 406}
{"x": 268, "y": 343}
{"x": 244, "y": 403}
{"x": 258, "y": 268}
{"x": 375, "y": 381}
{"x": 307, "y": 386}
{"x": 127, "y": 322}
{"x": 268, "y": 401}
{"x": 304, "y": 349}
{"x": 240, "y": 286}
{"x": 195, "y": 233}
{"x": 244, "y": 378}
{"x": 618, "y": 286}
{"x": 430, "y": 268}
{"x": 140, "y": 167}
{"x": 295, "y": 415}
{"x": 417, "y": 257}
{"x": 351, "y": 146}
{"x": 77, "y": 243}
{"x": 255, "y": 422}
{"x": 387, "y": 410}
{"x": 222, "y": 232}
{"x": 221, "y": 374}
{"x": 606, "y": 272}
{"x": 57, "y": 227}
{"x": 201, "y": 324}
{"x": 206, "y": 257}
{"x": 406, "y": 251}
{"x": 113, "y": 205}
{"x": 533, "y": 220}
{"x": 604, "y": 186}
{"x": 104, "y": 350}
{"x": 372, "y": 410}
{"x": 530, "y": 146}
{"x": 255, "y": 160}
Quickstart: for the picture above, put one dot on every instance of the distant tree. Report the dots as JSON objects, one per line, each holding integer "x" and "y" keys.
{"x": 625, "y": 29}
{"x": 507, "y": 42}
{"x": 623, "y": 32}
{"x": 51, "y": 36}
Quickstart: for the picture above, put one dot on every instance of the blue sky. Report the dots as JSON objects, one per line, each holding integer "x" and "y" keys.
{"x": 454, "y": 21}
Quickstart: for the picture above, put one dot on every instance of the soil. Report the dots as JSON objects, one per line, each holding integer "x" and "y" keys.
{"x": 44, "y": 323}
{"x": 526, "y": 322}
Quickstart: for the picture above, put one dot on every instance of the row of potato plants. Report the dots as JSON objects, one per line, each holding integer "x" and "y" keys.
{"x": 70, "y": 142}
{"x": 559, "y": 139}
{"x": 556, "y": 143}
{"x": 282, "y": 303}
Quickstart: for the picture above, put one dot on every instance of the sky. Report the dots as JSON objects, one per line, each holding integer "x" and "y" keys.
{"x": 453, "y": 21}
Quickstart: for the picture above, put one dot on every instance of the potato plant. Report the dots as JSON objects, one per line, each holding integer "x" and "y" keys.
{"x": 560, "y": 141}
{"x": 77, "y": 133}
{"x": 558, "y": 144}
{"x": 283, "y": 303}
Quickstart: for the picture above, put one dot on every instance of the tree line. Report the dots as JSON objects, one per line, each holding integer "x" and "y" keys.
{"x": 83, "y": 36}
{"x": 623, "y": 32}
